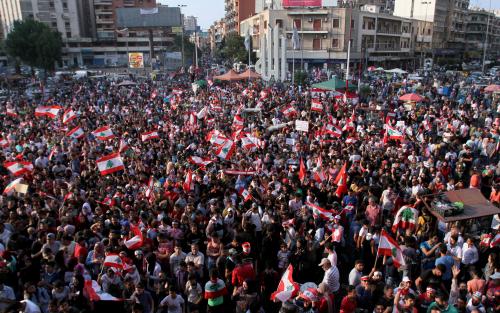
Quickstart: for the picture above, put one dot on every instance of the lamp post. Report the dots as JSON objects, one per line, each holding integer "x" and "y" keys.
{"x": 426, "y": 3}
{"x": 182, "y": 34}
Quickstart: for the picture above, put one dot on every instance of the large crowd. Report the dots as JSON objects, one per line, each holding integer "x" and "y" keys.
{"x": 208, "y": 199}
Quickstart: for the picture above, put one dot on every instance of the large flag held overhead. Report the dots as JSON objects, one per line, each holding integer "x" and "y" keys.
{"x": 406, "y": 218}
{"x": 319, "y": 212}
{"x": 226, "y": 150}
{"x": 389, "y": 247}
{"x": 393, "y": 133}
{"x": 68, "y": 116}
{"x": 76, "y": 133}
{"x": 201, "y": 162}
{"x": 302, "y": 170}
{"x": 110, "y": 164}
{"x": 113, "y": 260}
{"x": 135, "y": 242}
{"x": 341, "y": 181}
{"x": 49, "y": 111}
{"x": 188, "y": 181}
{"x": 287, "y": 288}
{"x": 149, "y": 135}
{"x": 19, "y": 168}
{"x": 11, "y": 187}
{"x": 95, "y": 293}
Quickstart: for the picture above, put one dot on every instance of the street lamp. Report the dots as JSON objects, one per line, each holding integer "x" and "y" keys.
{"x": 182, "y": 33}
{"x": 426, "y": 3}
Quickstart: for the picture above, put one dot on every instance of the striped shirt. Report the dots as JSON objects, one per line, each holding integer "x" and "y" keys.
{"x": 332, "y": 278}
{"x": 214, "y": 292}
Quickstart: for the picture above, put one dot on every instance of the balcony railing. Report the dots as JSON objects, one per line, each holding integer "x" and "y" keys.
{"x": 387, "y": 47}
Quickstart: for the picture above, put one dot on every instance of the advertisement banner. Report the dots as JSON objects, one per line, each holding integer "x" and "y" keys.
{"x": 302, "y": 3}
{"x": 136, "y": 60}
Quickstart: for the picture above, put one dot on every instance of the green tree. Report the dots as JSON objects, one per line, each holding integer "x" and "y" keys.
{"x": 234, "y": 49}
{"x": 34, "y": 43}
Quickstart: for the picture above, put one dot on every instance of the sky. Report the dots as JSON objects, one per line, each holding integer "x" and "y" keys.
{"x": 208, "y": 11}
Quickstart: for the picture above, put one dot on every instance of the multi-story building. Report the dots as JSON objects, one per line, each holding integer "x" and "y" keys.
{"x": 10, "y": 11}
{"x": 457, "y": 27}
{"x": 236, "y": 12}
{"x": 216, "y": 34}
{"x": 483, "y": 29}
{"x": 325, "y": 32}
{"x": 191, "y": 24}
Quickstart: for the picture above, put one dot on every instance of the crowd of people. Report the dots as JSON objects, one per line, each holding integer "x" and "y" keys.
{"x": 208, "y": 199}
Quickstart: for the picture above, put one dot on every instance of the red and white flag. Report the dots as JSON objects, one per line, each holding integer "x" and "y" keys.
{"x": 76, "y": 133}
{"x": 287, "y": 288}
{"x": 302, "y": 170}
{"x": 11, "y": 112}
{"x": 202, "y": 113}
{"x": 49, "y": 111}
{"x": 333, "y": 130}
{"x": 188, "y": 181}
{"x": 19, "y": 168}
{"x": 393, "y": 133}
{"x": 389, "y": 247}
{"x": 103, "y": 133}
{"x": 113, "y": 260}
{"x": 110, "y": 164}
{"x": 149, "y": 135}
{"x": 201, "y": 162}
{"x": 289, "y": 111}
{"x": 319, "y": 176}
{"x": 316, "y": 105}
{"x": 349, "y": 125}
{"x": 238, "y": 122}
{"x": 406, "y": 218}
{"x": 4, "y": 143}
{"x": 95, "y": 293}
{"x": 239, "y": 172}
{"x": 226, "y": 150}
{"x": 319, "y": 212}
{"x": 248, "y": 143}
{"x": 11, "y": 187}
{"x": 245, "y": 194}
{"x": 341, "y": 181}
{"x": 135, "y": 242}
{"x": 68, "y": 116}
{"x": 123, "y": 146}
{"x": 150, "y": 189}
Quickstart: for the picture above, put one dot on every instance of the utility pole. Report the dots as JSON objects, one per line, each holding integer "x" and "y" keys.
{"x": 423, "y": 34}
{"x": 485, "y": 44}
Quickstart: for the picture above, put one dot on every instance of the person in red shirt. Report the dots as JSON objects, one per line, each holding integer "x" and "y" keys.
{"x": 242, "y": 272}
{"x": 349, "y": 304}
{"x": 326, "y": 299}
{"x": 81, "y": 251}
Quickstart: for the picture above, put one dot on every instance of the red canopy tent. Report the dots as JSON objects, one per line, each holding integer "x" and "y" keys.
{"x": 249, "y": 74}
{"x": 229, "y": 76}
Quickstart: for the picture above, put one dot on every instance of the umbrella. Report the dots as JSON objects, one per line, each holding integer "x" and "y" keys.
{"x": 397, "y": 71}
{"x": 371, "y": 68}
{"x": 411, "y": 97}
{"x": 126, "y": 83}
{"x": 379, "y": 69}
{"x": 492, "y": 88}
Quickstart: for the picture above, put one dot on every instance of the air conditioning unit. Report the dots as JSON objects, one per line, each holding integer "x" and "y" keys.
{"x": 310, "y": 20}
{"x": 325, "y": 36}
{"x": 325, "y": 19}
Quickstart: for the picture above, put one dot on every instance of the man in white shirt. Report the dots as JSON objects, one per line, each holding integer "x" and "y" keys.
{"x": 197, "y": 258}
{"x": 332, "y": 275}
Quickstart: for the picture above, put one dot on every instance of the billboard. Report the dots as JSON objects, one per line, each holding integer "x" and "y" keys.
{"x": 136, "y": 60}
{"x": 302, "y": 3}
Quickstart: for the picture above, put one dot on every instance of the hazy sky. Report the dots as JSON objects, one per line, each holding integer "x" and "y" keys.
{"x": 207, "y": 11}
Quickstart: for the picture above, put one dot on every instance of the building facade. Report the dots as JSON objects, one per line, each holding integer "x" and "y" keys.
{"x": 482, "y": 31}
{"x": 236, "y": 12}
{"x": 325, "y": 33}
{"x": 216, "y": 34}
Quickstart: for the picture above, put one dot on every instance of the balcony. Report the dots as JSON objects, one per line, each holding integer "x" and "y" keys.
{"x": 309, "y": 30}
{"x": 104, "y": 21}
{"x": 103, "y": 2}
{"x": 388, "y": 32}
{"x": 382, "y": 47}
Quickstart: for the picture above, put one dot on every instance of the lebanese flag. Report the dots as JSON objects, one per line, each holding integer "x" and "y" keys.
{"x": 202, "y": 113}
{"x": 495, "y": 241}
{"x": 149, "y": 135}
{"x": 11, "y": 112}
{"x": 201, "y": 162}
{"x": 4, "y": 143}
{"x": 393, "y": 133}
{"x": 12, "y": 186}
{"x": 188, "y": 181}
{"x": 333, "y": 130}
{"x": 287, "y": 288}
{"x": 319, "y": 176}
{"x": 67, "y": 196}
{"x": 123, "y": 146}
{"x": 389, "y": 247}
{"x": 76, "y": 133}
{"x": 349, "y": 125}
{"x": 319, "y": 212}
{"x": 238, "y": 172}
{"x": 110, "y": 164}
{"x": 226, "y": 150}
{"x": 50, "y": 111}
{"x": 289, "y": 111}
{"x": 68, "y": 116}
{"x": 245, "y": 194}
{"x": 113, "y": 260}
{"x": 103, "y": 133}
{"x": 341, "y": 181}
{"x": 319, "y": 161}
{"x": 238, "y": 121}
{"x": 389, "y": 117}
{"x": 406, "y": 218}
{"x": 216, "y": 137}
{"x": 135, "y": 242}
{"x": 109, "y": 202}
{"x": 316, "y": 105}
{"x": 19, "y": 168}
{"x": 95, "y": 293}
{"x": 302, "y": 170}
{"x": 150, "y": 188}
{"x": 248, "y": 143}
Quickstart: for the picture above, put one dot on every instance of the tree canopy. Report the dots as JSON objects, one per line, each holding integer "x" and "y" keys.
{"x": 35, "y": 44}
{"x": 234, "y": 49}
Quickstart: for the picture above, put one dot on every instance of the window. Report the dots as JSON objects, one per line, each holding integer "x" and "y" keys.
{"x": 335, "y": 43}
{"x": 68, "y": 34}
{"x": 316, "y": 44}
{"x": 352, "y": 23}
{"x": 298, "y": 23}
{"x": 335, "y": 23}
{"x": 429, "y": 31}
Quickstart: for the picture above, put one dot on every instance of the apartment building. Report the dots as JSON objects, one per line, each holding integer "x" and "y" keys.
{"x": 236, "y": 12}
{"x": 216, "y": 34}
{"x": 481, "y": 23}
{"x": 325, "y": 32}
